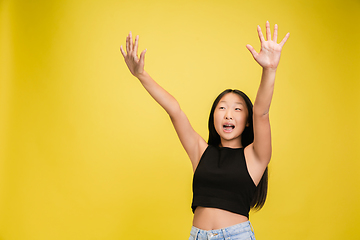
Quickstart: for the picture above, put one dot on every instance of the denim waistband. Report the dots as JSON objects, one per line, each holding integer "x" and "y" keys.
{"x": 223, "y": 233}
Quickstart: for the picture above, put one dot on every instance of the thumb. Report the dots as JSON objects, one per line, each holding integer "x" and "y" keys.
{"x": 142, "y": 57}
{"x": 252, "y": 50}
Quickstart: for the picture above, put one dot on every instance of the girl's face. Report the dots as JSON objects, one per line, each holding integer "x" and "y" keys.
{"x": 230, "y": 119}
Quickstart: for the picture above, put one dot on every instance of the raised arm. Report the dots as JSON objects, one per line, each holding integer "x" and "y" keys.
{"x": 192, "y": 142}
{"x": 268, "y": 58}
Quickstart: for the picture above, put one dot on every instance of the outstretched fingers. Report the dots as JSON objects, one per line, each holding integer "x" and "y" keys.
{"x": 284, "y": 40}
{"x": 142, "y": 57}
{"x": 275, "y": 33}
{"x": 136, "y": 46}
{"x": 268, "y": 32}
{"x": 261, "y": 36}
{"x": 122, "y": 51}
{"x": 131, "y": 48}
{"x": 252, "y": 50}
{"x": 130, "y": 41}
{"x": 127, "y": 44}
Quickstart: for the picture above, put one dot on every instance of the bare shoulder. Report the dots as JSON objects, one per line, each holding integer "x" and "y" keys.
{"x": 255, "y": 167}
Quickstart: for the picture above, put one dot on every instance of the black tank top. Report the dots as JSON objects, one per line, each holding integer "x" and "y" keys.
{"x": 221, "y": 180}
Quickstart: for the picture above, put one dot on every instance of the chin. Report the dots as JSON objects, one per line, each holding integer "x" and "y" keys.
{"x": 230, "y": 139}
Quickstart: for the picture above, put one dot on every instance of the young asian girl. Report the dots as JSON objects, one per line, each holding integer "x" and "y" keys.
{"x": 230, "y": 169}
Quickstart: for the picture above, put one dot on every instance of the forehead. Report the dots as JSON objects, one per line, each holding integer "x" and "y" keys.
{"x": 232, "y": 98}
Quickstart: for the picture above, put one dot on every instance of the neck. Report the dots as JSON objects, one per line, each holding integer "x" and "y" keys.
{"x": 235, "y": 143}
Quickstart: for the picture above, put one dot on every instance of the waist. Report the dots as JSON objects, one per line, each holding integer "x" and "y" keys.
{"x": 241, "y": 230}
{"x": 215, "y": 218}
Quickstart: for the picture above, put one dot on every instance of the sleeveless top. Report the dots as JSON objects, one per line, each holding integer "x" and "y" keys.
{"x": 221, "y": 180}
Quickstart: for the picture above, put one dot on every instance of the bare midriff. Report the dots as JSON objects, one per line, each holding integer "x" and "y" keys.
{"x": 214, "y": 218}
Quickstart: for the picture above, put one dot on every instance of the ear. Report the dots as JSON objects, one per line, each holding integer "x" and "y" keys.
{"x": 247, "y": 124}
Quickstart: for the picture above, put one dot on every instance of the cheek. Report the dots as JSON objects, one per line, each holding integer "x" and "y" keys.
{"x": 217, "y": 120}
{"x": 242, "y": 119}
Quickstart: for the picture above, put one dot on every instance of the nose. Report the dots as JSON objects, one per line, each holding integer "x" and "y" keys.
{"x": 228, "y": 116}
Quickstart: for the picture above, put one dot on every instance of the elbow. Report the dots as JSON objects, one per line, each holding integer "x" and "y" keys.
{"x": 260, "y": 112}
{"x": 174, "y": 110}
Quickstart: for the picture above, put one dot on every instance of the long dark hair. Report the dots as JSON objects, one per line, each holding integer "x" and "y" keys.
{"x": 247, "y": 137}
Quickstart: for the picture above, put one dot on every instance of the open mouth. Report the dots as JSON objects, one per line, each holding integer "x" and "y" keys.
{"x": 228, "y": 127}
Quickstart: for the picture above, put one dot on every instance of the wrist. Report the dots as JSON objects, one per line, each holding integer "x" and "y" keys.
{"x": 141, "y": 75}
{"x": 268, "y": 75}
{"x": 269, "y": 70}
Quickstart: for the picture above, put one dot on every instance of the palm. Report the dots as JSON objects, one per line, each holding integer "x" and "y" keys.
{"x": 134, "y": 63}
{"x": 269, "y": 55}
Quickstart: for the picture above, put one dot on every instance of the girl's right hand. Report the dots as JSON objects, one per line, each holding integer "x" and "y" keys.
{"x": 135, "y": 64}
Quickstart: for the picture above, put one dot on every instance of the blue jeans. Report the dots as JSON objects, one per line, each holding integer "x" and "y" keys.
{"x": 241, "y": 231}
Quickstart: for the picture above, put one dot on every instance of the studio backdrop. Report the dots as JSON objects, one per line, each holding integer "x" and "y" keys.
{"x": 86, "y": 153}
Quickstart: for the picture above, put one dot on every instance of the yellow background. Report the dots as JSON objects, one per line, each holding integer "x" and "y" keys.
{"x": 85, "y": 153}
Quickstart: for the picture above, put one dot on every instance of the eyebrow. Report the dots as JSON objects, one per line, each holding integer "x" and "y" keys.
{"x": 235, "y": 102}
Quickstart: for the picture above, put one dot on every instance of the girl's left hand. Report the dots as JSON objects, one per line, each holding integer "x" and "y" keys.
{"x": 269, "y": 55}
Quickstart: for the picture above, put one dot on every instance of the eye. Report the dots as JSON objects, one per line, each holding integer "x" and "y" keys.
{"x": 221, "y": 107}
{"x": 238, "y": 109}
